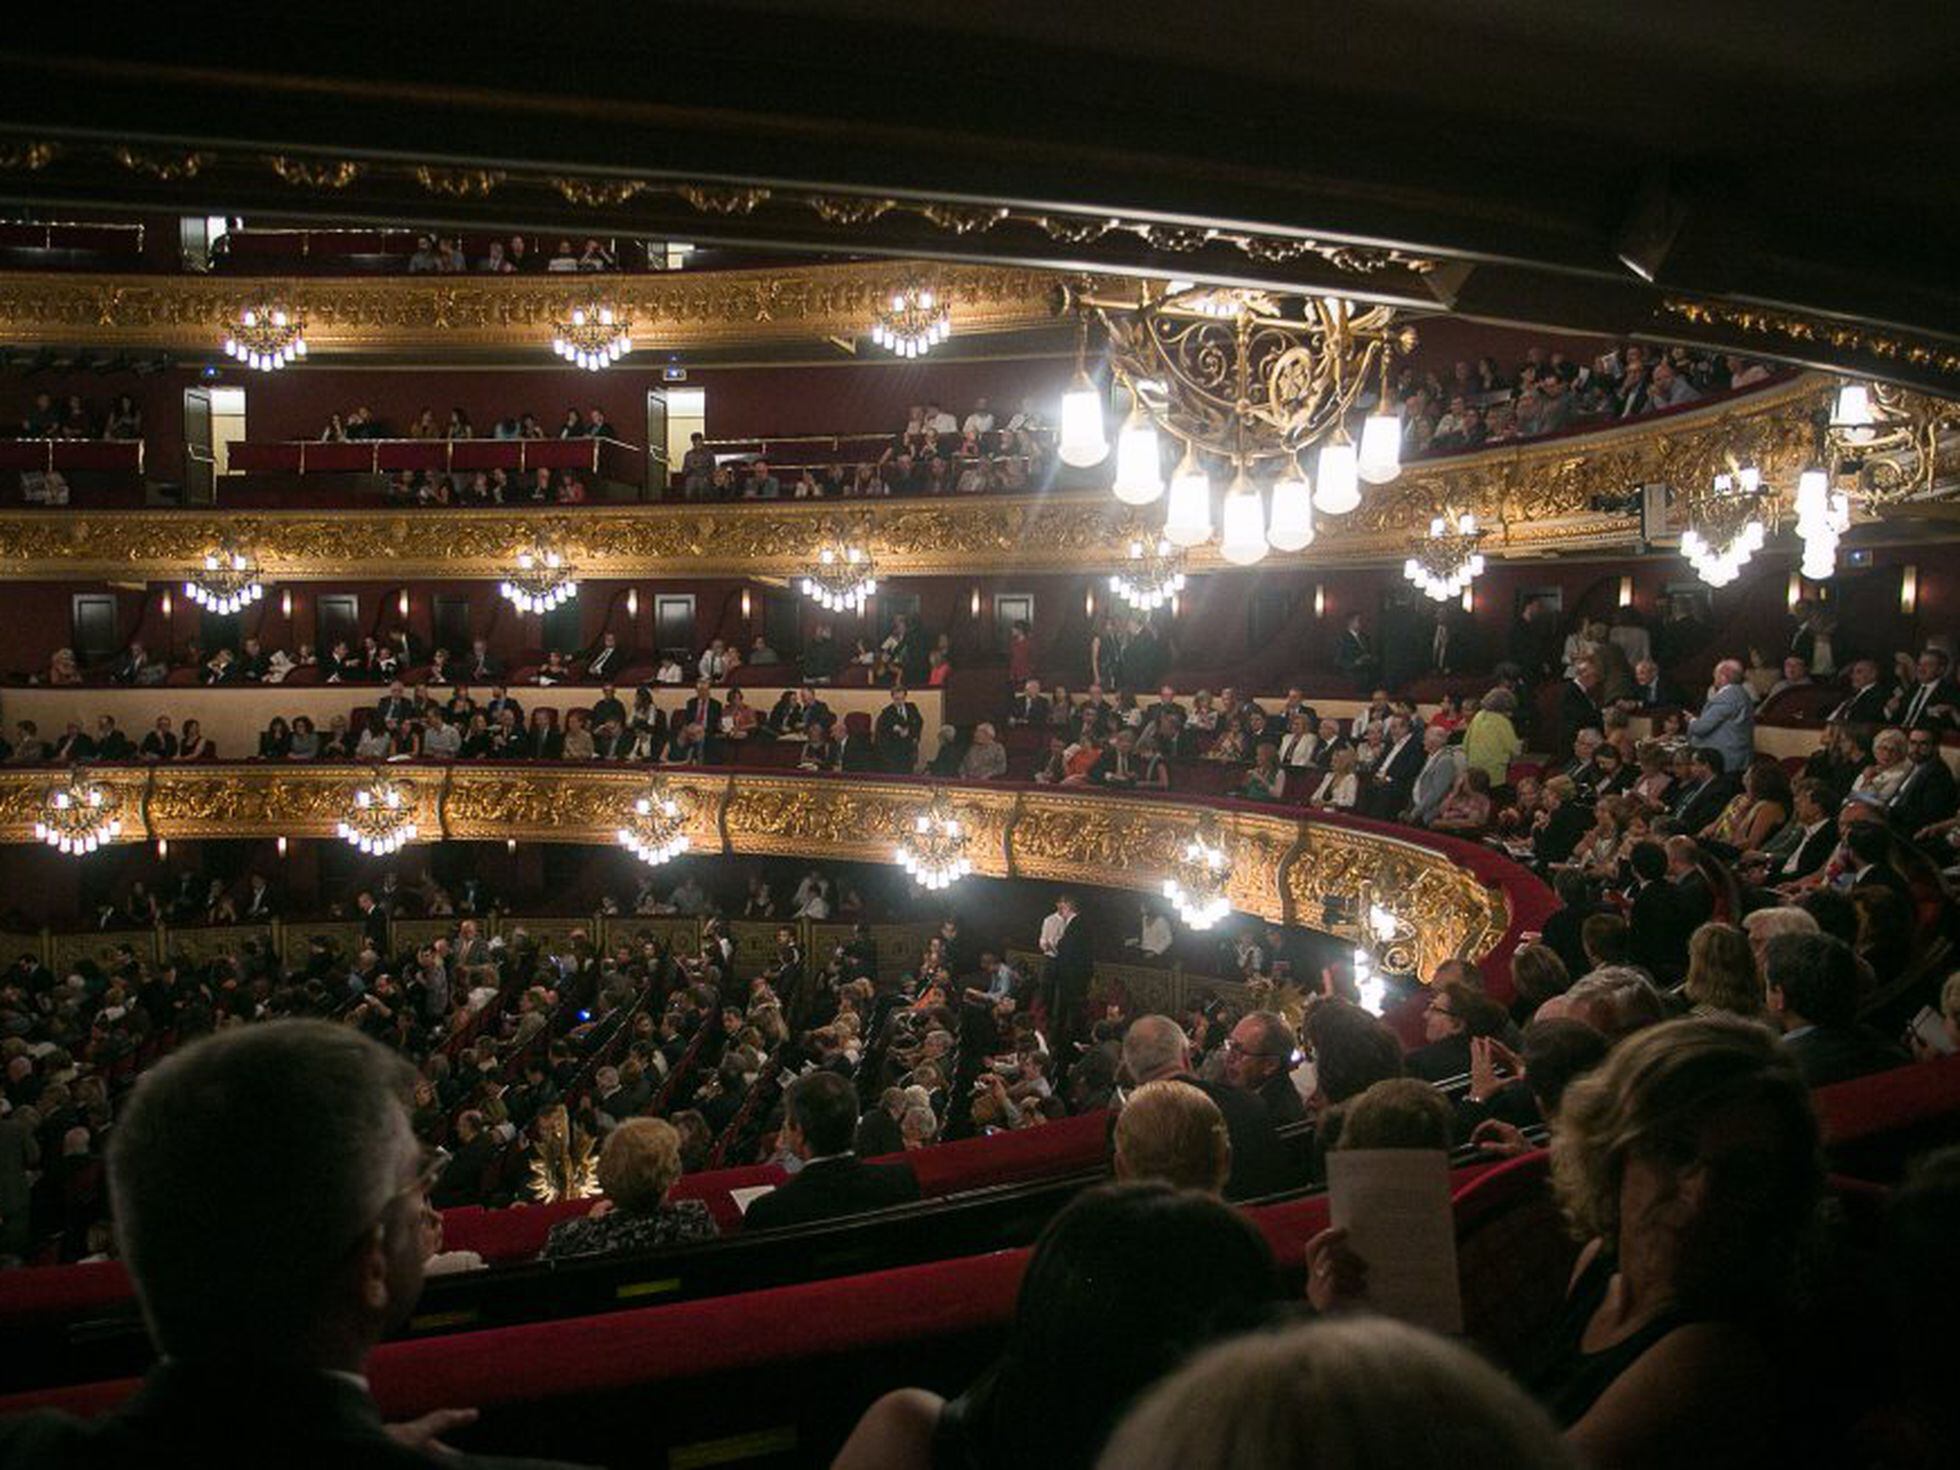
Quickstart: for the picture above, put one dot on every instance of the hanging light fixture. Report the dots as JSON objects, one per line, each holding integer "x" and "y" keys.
{"x": 1187, "y": 520}
{"x": 1082, "y": 441}
{"x": 1242, "y": 532}
{"x": 227, "y": 582}
{"x": 1196, "y": 887}
{"x": 1337, "y": 488}
{"x": 380, "y": 818}
{"x": 1139, "y": 460}
{"x": 266, "y": 337}
{"x": 1379, "y": 458}
{"x": 595, "y": 337}
{"x": 79, "y": 815}
{"x": 911, "y": 321}
{"x": 1725, "y": 526}
{"x": 1449, "y": 558}
{"x": 933, "y": 849}
{"x": 655, "y": 828}
{"x": 1154, "y": 576}
{"x": 844, "y": 576}
{"x": 1291, "y": 527}
{"x": 541, "y": 581}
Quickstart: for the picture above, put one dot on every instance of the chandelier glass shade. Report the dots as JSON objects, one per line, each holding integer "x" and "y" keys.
{"x": 594, "y": 337}
{"x": 654, "y": 830}
{"x": 1139, "y": 461}
{"x": 380, "y": 817}
{"x": 1883, "y": 443}
{"x": 1726, "y": 526}
{"x": 1291, "y": 527}
{"x": 266, "y": 338}
{"x": 227, "y": 582}
{"x": 1196, "y": 886}
{"x": 79, "y": 815}
{"x": 1242, "y": 524}
{"x": 933, "y": 850}
{"x": 541, "y": 581}
{"x": 1823, "y": 516}
{"x": 1154, "y": 576}
{"x": 911, "y": 322}
{"x": 1448, "y": 559}
{"x": 844, "y": 577}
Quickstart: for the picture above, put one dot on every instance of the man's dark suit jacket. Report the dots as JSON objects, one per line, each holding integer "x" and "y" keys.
{"x": 1811, "y": 854}
{"x": 830, "y": 1188}
{"x": 1553, "y": 843}
{"x": 1398, "y": 776}
{"x": 1657, "y": 939}
{"x": 1927, "y": 795}
{"x": 374, "y": 928}
{"x": 1827, "y": 1054}
{"x": 234, "y": 1415}
{"x": 1440, "y": 1060}
{"x": 1258, "y": 1157}
{"x": 1073, "y": 963}
{"x": 1661, "y": 694}
{"x": 1944, "y": 693}
{"x": 1577, "y": 710}
{"x": 1706, "y": 804}
{"x": 605, "y": 662}
{"x": 1029, "y": 711}
{"x": 1866, "y": 707}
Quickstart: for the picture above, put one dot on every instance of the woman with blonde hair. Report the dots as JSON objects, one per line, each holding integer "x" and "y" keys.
{"x": 1722, "y": 973}
{"x": 638, "y": 1165}
{"x": 1340, "y": 788}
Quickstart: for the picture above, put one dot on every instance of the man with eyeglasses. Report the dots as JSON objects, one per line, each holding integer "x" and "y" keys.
{"x": 273, "y": 1209}
{"x": 1259, "y": 1059}
{"x": 1928, "y": 794}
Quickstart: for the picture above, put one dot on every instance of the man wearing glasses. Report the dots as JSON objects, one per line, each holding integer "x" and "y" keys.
{"x": 1259, "y": 1059}
{"x": 273, "y": 1209}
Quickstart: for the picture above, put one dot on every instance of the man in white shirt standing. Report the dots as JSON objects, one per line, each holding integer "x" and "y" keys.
{"x": 980, "y": 421}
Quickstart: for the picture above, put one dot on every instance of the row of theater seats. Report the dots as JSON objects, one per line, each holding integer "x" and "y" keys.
{"x": 755, "y": 1298}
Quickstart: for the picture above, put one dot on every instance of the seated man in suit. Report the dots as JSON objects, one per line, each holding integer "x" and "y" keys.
{"x": 1812, "y": 984}
{"x": 272, "y": 1206}
{"x": 820, "y": 1119}
{"x": 1030, "y": 708}
{"x": 606, "y": 660}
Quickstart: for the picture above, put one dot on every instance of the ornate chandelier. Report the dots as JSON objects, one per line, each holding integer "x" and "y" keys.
{"x": 227, "y": 582}
{"x": 934, "y": 850}
{"x": 1245, "y": 378}
{"x": 543, "y": 580}
{"x": 1154, "y": 576}
{"x": 79, "y": 815}
{"x": 1447, "y": 560}
{"x": 911, "y": 322}
{"x": 655, "y": 829}
{"x": 1197, "y": 883}
{"x": 596, "y": 337}
{"x": 1886, "y": 440}
{"x": 381, "y": 818}
{"x": 844, "y": 576}
{"x": 1823, "y": 516}
{"x": 266, "y": 337}
{"x": 1726, "y": 526}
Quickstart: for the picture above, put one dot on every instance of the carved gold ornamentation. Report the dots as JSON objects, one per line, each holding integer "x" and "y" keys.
{"x": 1794, "y": 329}
{"x": 849, "y": 209}
{"x": 722, "y": 199}
{"x": 166, "y": 167}
{"x": 597, "y": 193}
{"x": 487, "y": 313}
{"x": 961, "y": 219}
{"x": 314, "y": 173}
{"x": 460, "y": 183}
{"x": 28, "y": 157}
{"x": 1074, "y": 230}
{"x": 1283, "y": 868}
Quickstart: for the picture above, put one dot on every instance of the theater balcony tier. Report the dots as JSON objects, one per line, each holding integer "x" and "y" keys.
{"x": 1456, "y": 898}
{"x": 1570, "y": 493}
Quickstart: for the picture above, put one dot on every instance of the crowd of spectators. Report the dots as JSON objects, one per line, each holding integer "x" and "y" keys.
{"x": 437, "y": 254}
{"x": 75, "y": 417}
{"x": 1487, "y": 402}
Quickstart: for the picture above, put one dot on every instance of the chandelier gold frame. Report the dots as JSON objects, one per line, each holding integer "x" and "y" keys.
{"x": 227, "y": 582}
{"x": 842, "y": 576}
{"x": 594, "y": 337}
{"x": 654, "y": 829}
{"x": 1882, "y": 442}
{"x": 79, "y": 815}
{"x": 934, "y": 849}
{"x": 911, "y": 321}
{"x": 380, "y": 816}
{"x": 541, "y": 580}
{"x": 265, "y": 337}
{"x": 1199, "y": 883}
{"x": 1247, "y": 375}
{"x": 1728, "y": 522}
{"x": 1449, "y": 558}
{"x": 1155, "y": 573}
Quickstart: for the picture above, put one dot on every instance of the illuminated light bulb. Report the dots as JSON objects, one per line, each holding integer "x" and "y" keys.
{"x": 1337, "y": 489}
{"x": 1187, "y": 521}
{"x": 1083, "y": 442}
{"x": 1380, "y": 456}
{"x": 1139, "y": 463}
{"x": 1243, "y": 524}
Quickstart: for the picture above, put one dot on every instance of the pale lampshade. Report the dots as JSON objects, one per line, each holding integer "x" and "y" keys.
{"x": 1337, "y": 482}
{"x": 1187, "y": 521}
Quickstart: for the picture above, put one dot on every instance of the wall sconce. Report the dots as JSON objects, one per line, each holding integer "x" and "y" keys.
{"x": 974, "y": 605}
{"x": 1626, "y": 592}
{"x": 1469, "y": 599}
{"x": 632, "y": 602}
{"x": 745, "y": 604}
{"x": 1319, "y": 600}
{"x": 1089, "y": 603}
{"x": 1794, "y": 594}
{"x": 1177, "y": 603}
{"x": 510, "y": 844}
{"x": 166, "y": 603}
{"x": 401, "y": 602}
{"x": 163, "y": 847}
{"x": 286, "y": 604}
{"x": 1909, "y": 590}
{"x": 279, "y": 845}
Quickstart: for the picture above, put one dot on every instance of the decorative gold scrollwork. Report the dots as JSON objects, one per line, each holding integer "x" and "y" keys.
{"x": 850, "y": 209}
{"x": 310, "y": 173}
{"x": 27, "y": 156}
{"x": 722, "y": 199}
{"x": 460, "y": 183}
{"x": 598, "y": 193}
{"x": 167, "y": 167}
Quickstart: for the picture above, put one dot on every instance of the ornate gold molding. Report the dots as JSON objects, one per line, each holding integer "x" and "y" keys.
{"x": 483, "y": 313}
{"x": 1535, "y": 498}
{"x": 1796, "y": 333}
{"x": 1284, "y": 867}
